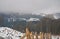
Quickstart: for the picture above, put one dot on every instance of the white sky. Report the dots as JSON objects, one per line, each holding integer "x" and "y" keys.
{"x": 33, "y": 6}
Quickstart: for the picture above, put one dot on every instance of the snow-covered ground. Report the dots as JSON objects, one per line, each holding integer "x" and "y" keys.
{"x": 55, "y": 37}
{"x": 8, "y": 33}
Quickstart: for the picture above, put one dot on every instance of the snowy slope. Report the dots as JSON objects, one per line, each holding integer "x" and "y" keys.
{"x": 33, "y": 19}
{"x": 8, "y": 33}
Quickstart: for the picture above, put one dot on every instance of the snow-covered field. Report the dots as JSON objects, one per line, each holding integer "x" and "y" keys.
{"x": 8, "y": 33}
{"x": 55, "y": 37}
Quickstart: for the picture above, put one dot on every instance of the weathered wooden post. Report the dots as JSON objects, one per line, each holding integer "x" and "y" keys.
{"x": 36, "y": 35}
{"x": 45, "y": 36}
{"x": 31, "y": 35}
{"x": 23, "y": 37}
{"x": 41, "y": 35}
{"x": 49, "y": 36}
{"x": 28, "y": 33}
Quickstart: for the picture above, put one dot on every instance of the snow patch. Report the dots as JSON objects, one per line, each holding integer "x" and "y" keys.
{"x": 33, "y": 19}
{"x": 9, "y": 33}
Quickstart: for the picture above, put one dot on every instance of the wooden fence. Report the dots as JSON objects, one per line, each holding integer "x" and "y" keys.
{"x": 34, "y": 35}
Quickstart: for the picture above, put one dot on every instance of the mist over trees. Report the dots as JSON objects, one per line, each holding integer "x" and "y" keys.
{"x": 44, "y": 25}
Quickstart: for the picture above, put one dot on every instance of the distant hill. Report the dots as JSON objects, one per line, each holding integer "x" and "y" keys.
{"x": 11, "y": 19}
{"x": 34, "y": 22}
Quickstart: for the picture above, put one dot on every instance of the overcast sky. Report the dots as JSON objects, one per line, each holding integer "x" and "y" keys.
{"x": 33, "y": 6}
